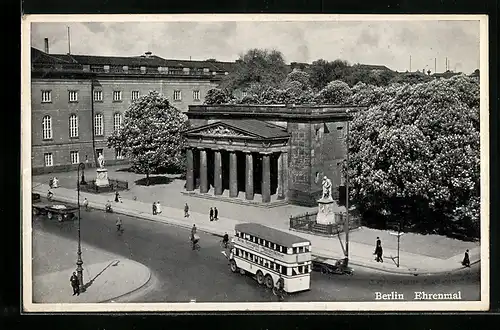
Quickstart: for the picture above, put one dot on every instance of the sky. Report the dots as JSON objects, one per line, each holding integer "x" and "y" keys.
{"x": 389, "y": 43}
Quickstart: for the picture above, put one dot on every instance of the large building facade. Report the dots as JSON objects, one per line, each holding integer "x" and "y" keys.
{"x": 277, "y": 152}
{"x": 78, "y": 101}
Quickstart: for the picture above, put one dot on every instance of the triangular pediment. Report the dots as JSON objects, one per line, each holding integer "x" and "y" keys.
{"x": 221, "y": 129}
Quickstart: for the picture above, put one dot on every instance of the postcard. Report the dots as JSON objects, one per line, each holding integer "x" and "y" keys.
{"x": 207, "y": 163}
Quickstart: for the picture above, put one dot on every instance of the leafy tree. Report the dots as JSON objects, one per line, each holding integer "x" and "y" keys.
{"x": 322, "y": 72}
{"x": 257, "y": 66}
{"x": 336, "y": 92}
{"x": 151, "y": 135}
{"x": 411, "y": 78}
{"x": 414, "y": 156}
{"x": 217, "y": 96}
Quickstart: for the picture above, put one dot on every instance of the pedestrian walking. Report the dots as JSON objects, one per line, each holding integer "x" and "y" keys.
{"x": 193, "y": 237}
{"x": 158, "y": 207}
{"x": 75, "y": 284}
{"x": 216, "y": 214}
{"x": 51, "y": 183}
{"x": 378, "y": 251}
{"x": 186, "y": 211}
{"x": 117, "y": 196}
{"x": 86, "y": 204}
{"x": 154, "y": 208}
{"x": 55, "y": 182}
{"x": 211, "y": 214}
{"x": 119, "y": 225}
{"x": 466, "y": 261}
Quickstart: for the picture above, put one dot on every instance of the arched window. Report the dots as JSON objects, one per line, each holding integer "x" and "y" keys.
{"x": 47, "y": 128}
{"x": 73, "y": 126}
{"x": 98, "y": 124}
{"x": 117, "y": 121}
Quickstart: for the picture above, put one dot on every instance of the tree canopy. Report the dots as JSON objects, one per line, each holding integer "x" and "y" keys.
{"x": 260, "y": 66}
{"x": 414, "y": 155}
{"x": 151, "y": 135}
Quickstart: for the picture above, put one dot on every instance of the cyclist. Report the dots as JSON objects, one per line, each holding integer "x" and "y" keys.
{"x": 225, "y": 240}
{"x": 86, "y": 204}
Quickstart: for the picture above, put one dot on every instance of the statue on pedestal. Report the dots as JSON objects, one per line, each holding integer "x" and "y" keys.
{"x": 327, "y": 188}
{"x": 101, "y": 161}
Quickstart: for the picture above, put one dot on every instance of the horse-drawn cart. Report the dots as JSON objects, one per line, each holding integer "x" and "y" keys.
{"x": 61, "y": 212}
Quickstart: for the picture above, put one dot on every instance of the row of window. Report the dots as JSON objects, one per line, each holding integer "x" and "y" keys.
{"x": 73, "y": 125}
{"x": 75, "y": 156}
{"x": 117, "y": 96}
{"x": 271, "y": 245}
{"x": 269, "y": 264}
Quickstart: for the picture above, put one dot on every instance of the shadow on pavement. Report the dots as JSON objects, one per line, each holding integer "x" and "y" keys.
{"x": 154, "y": 180}
{"x": 111, "y": 264}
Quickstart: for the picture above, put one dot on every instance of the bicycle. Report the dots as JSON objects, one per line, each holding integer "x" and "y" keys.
{"x": 195, "y": 245}
{"x": 280, "y": 293}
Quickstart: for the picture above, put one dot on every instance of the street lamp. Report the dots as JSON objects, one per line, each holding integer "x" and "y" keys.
{"x": 79, "y": 261}
{"x": 346, "y": 223}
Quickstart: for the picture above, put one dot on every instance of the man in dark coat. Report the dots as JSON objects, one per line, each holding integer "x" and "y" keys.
{"x": 216, "y": 214}
{"x": 75, "y": 284}
{"x": 379, "y": 251}
{"x": 466, "y": 261}
{"x": 211, "y": 214}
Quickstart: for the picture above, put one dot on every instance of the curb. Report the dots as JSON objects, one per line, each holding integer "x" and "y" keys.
{"x": 174, "y": 222}
{"x": 132, "y": 291}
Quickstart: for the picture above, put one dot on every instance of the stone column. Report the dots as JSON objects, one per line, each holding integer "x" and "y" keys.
{"x": 284, "y": 173}
{"x": 189, "y": 170}
{"x": 217, "y": 173}
{"x": 266, "y": 178}
{"x": 280, "y": 177}
{"x": 203, "y": 172}
{"x": 249, "y": 176}
{"x": 233, "y": 174}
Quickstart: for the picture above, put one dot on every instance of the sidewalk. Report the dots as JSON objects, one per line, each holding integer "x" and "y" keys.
{"x": 359, "y": 254}
{"x": 106, "y": 276}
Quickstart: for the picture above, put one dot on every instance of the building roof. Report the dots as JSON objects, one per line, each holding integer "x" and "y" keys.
{"x": 374, "y": 67}
{"x": 270, "y": 234}
{"x": 39, "y": 56}
{"x": 258, "y": 127}
{"x": 249, "y": 127}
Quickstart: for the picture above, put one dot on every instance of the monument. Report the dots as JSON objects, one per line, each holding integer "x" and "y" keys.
{"x": 102, "y": 173}
{"x": 326, "y": 214}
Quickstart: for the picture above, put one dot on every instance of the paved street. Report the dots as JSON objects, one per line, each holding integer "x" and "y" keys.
{"x": 180, "y": 274}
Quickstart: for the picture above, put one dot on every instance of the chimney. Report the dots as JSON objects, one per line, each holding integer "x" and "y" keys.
{"x": 148, "y": 54}
{"x": 46, "y": 40}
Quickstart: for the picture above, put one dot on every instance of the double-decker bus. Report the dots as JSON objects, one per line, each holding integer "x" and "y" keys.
{"x": 268, "y": 253}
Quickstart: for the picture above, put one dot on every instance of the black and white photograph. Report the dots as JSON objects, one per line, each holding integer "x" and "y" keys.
{"x": 255, "y": 163}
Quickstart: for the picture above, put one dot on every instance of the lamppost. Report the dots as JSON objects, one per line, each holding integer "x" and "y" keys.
{"x": 79, "y": 261}
{"x": 346, "y": 223}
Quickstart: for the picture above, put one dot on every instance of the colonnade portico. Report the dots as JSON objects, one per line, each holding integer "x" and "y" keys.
{"x": 254, "y": 162}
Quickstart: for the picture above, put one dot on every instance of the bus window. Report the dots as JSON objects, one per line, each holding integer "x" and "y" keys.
{"x": 284, "y": 270}
{"x": 295, "y": 250}
{"x": 294, "y": 271}
{"x": 301, "y": 269}
{"x": 306, "y": 248}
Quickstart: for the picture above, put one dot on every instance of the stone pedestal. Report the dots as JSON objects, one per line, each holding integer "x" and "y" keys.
{"x": 325, "y": 216}
{"x": 102, "y": 178}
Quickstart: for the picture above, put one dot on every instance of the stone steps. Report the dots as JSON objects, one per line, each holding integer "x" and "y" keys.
{"x": 239, "y": 201}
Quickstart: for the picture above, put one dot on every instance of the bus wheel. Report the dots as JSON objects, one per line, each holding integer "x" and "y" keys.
{"x": 324, "y": 270}
{"x": 242, "y": 271}
{"x": 49, "y": 215}
{"x": 269, "y": 281}
{"x": 232, "y": 264}
{"x": 60, "y": 218}
{"x": 260, "y": 277}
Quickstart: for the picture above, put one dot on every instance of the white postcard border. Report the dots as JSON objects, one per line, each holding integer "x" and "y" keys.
{"x": 26, "y": 183}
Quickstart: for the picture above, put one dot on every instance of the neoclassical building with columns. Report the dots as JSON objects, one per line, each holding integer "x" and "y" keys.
{"x": 265, "y": 153}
